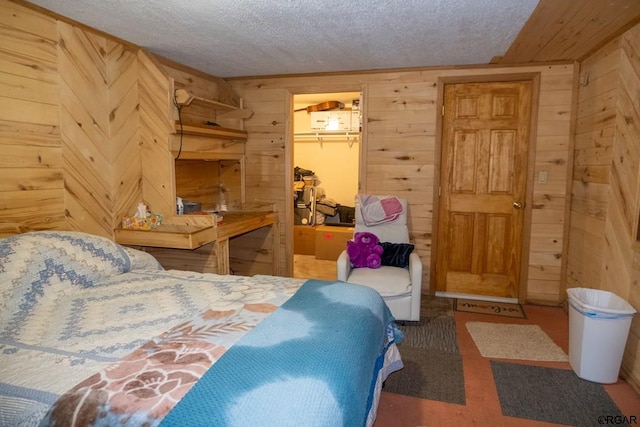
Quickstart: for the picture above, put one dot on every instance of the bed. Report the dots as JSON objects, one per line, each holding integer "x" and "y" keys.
{"x": 95, "y": 333}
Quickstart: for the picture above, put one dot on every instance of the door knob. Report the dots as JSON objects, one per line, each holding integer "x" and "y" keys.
{"x": 517, "y": 205}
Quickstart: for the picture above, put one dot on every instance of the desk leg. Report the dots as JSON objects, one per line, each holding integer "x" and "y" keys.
{"x": 275, "y": 232}
{"x": 222, "y": 256}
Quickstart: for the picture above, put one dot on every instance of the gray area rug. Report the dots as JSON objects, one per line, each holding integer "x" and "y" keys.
{"x": 551, "y": 395}
{"x": 434, "y": 333}
{"x": 432, "y": 363}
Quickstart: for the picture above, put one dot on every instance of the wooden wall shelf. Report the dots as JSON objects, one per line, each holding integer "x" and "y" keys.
{"x": 211, "y": 131}
{"x": 182, "y": 97}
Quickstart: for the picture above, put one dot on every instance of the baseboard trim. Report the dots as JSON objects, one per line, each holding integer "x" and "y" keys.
{"x": 476, "y": 297}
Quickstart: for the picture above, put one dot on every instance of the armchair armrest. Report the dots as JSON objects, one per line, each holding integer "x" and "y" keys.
{"x": 415, "y": 270}
{"x": 343, "y": 266}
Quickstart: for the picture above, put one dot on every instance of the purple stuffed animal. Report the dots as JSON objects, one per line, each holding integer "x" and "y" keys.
{"x": 364, "y": 250}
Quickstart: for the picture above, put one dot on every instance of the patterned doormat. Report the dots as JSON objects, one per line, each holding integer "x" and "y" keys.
{"x": 489, "y": 307}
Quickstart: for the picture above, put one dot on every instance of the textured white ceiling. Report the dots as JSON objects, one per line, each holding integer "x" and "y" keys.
{"x": 231, "y": 38}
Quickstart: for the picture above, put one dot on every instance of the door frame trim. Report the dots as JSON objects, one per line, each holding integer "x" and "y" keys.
{"x": 534, "y": 77}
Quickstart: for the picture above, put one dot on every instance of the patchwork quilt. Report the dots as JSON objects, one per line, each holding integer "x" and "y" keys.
{"x": 93, "y": 333}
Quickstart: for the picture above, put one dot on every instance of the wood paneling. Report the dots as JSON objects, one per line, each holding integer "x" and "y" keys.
{"x": 624, "y": 197}
{"x": 85, "y": 119}
{"x": 84, "y": 124}
{"x": 124, "y": 130}
{"x": 400, "y": 134}
{"x": 606, "y": 178}
{"x": 594, "y": 136}
{"x": 31, "y": 165}
{"x": 200, "y": 180}
{"x": 561, "y": 30}
{"x": 156, "y": 124}
{"x": 68, "y": 124}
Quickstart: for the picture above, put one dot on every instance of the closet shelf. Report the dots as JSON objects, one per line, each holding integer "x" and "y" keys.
{"x": 328, "y": 134}
{"x": 211, "y": 131}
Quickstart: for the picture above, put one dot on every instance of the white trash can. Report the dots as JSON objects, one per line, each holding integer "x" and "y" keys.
{"x": 599, "y": 323}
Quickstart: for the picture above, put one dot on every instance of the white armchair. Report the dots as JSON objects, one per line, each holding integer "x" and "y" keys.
{"x": 400, "y": 287}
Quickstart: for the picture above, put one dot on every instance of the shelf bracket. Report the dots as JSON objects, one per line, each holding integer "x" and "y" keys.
{"x": 182, "y": 97}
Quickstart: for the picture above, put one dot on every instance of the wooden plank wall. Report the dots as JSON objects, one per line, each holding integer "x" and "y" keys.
{"x": 200, "y": 180}
{"x": 595, "y": 132}
{"x": 124, "y": 130}
{"x": 623, "y": 275}
{"x": 603, "y": 252}
{"x": 559, "y": 30}
{"x": 399, "y": 152}
{"x": 104, "y": 182}
{"x": 31, "y": 164}
{"x": 156, "y": 124}
{"x": 79, "y": 111}
{"x": 84, "y": 125}
{"x": 69, "y": 124}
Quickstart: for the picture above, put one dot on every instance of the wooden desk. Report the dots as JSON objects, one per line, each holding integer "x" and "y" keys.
{"x": 237, "y": 223}
{"x": 174, "y": 236}
{"x": 196, "y": 243}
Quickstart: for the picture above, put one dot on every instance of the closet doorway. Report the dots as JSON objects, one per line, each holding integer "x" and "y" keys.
{"x": 326, "y": 168}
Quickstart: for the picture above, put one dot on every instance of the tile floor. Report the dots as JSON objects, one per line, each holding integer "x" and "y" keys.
{"x": 482, "y": 405}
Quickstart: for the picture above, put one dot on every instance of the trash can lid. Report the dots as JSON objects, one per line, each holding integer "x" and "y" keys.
{"x": 600, "y": 301}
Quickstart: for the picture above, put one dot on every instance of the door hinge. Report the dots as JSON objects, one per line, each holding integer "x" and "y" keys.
{"x": 442, "y": 111}
{"x": 439, "y": 191}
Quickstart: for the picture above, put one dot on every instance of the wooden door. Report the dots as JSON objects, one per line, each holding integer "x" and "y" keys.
{"x": 482, "y": 187}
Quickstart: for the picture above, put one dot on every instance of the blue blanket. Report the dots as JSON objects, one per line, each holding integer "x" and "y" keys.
{"x": 313, "y": 362}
